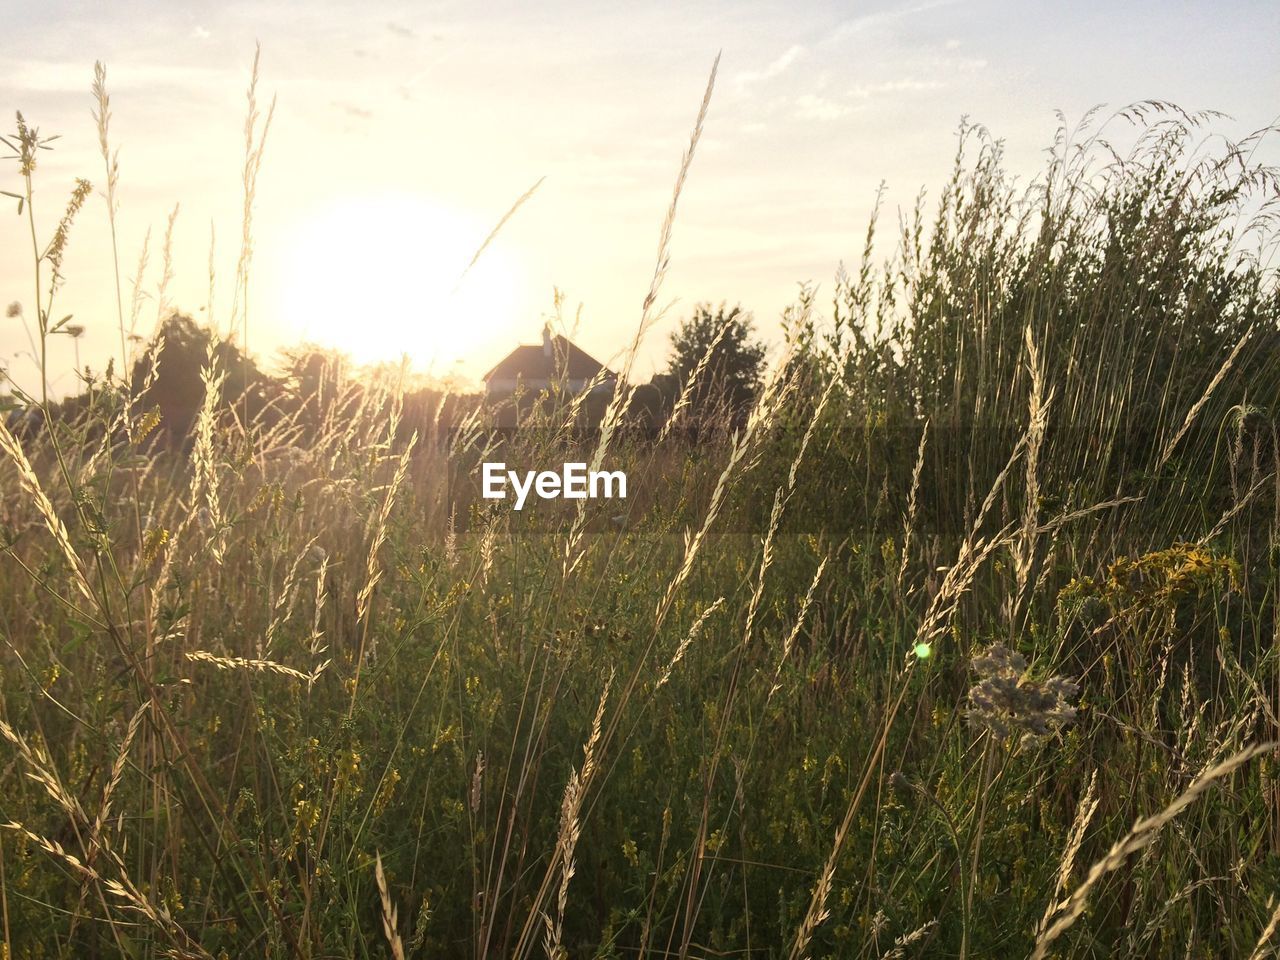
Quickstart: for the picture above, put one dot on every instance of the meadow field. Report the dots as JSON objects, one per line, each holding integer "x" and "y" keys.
{"x": 964, "y": 643}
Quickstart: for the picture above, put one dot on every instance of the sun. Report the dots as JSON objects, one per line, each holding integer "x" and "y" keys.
{"x": 383, "y": 276}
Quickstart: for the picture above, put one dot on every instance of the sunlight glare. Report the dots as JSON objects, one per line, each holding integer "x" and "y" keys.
{"x": 377, "y": 277}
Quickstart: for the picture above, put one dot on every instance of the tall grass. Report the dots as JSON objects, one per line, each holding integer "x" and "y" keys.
{"x": 964, "y": 645}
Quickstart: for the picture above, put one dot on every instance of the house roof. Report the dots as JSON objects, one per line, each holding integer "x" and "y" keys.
{"x": 531, "y": 362}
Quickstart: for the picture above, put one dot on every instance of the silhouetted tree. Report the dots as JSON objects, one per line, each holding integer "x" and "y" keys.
{"x": 177, "y": 388}
{"x": 731, "y": 378}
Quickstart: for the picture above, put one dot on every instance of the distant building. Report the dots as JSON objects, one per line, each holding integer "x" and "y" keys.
{"x": 557, "y": 360}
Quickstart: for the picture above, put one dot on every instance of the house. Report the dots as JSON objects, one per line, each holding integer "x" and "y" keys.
{"x": 556, "y": 360}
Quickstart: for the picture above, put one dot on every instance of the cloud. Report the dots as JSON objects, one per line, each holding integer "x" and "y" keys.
{"x": 813, "y": 107}
{"x": 775, "y": 68}
{"x": 884, "y": 17}
{"x": 200, "y": 33}
{"x": 867, "y": 91}
{"x": 400, "y": 30}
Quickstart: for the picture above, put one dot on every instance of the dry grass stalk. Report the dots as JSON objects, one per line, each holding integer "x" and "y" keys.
{"x": 117, "y": 774}
{"x": 373, "y": 566}
{"x": 624, "y": 389}
{"x": 1037, "y": 420}
{"x": 476, "y": 793}
{"x": 41, "y": 771}
{"x": 570, "y": 825}
{"x": 44, "y": 506}
{"x": 1084, "y": 815}
{"x": 390, "y": 926}
{"x": 796, "y": 627}
{"x": 166, "y": 271}
{"x": 1261, "y": 949}
{"x": 255, "y": 142}
{"x": 766, "y": 559}
{"x": 94, "y": 840}
{"x": 908, "y": 525}
{"x": 694, "y": 543}
{"x": 258, "y": 666}
{"x": 111, "y": 162}
{"x": 1204, "y": 398}
{"x": 687, "y": 389}
{"x": 124, "y": 891}
{"x": 204, "y": 496}
{"x": 282, "y": 609}
{"x": 1238, "y": 507}
{"x": 495, "y": 231}
{"x": 137, "y": 297}
{"x": 566, "y": 842}
{"x": 1143, "y": 833}
{"x": 314, "y": 646}
{"x": 818, "y": 910}
{"x": 693, "y": 634}
{"x": 900, "y": 945}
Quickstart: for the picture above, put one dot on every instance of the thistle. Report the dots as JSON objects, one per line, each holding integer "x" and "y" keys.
{"x": 1007, "y": 702}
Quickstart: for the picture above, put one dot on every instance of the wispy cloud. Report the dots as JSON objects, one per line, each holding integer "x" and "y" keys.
{"x": 825, "y": 107}
{"x": 880, "y": 18}
{"x": 775, "y": 68}
{"x": 400, "y": 30}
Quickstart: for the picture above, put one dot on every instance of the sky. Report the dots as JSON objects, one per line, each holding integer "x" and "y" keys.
{"x": 404, "y": 131}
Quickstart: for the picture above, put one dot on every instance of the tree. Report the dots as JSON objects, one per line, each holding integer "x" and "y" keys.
{"x": 176, "y": 387}
{"x": 721, "y": 343}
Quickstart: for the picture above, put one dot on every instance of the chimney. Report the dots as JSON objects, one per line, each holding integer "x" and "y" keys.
{"x": 546, "y": 340}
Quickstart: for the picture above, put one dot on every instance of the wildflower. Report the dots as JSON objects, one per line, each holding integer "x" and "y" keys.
{"x": 386, "y": 790}
{"x": 13, "y": 310}
{"x": 306, "y": 815}
{"x": 156, "y": 537}
{"x": 1007, "y": 702}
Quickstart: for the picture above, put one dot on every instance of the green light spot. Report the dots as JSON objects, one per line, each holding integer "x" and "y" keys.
{"x": 924, "y": 651}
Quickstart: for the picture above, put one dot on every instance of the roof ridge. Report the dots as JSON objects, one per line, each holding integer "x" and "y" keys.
{"x": 528, "y": 360}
